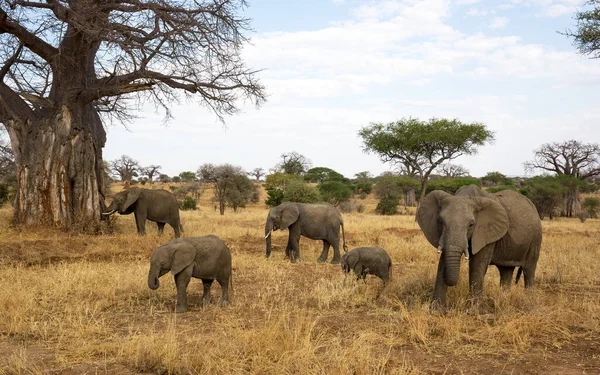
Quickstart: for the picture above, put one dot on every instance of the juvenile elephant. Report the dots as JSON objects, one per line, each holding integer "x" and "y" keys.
{"x": 317, "y": 221}
{"x": 502, "y": 229}
{"x": 206, "y": 258}
{"x": 368, "y": 261}
{"x": 159, "y": 206}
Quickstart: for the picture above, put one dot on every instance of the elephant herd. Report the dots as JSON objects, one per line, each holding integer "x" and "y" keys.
{"x": 501, "y": 229}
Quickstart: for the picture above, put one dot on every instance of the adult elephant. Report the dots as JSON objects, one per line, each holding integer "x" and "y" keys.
{"x": 502, "y": 229}
{"x": 317, "y": 221}
{"x": 159, "y": 206}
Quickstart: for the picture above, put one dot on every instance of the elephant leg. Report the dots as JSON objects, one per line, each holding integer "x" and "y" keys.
{"x": 140, "y": 222}
{"x": 176, "y": 228}
{"x": 182, "y": 279}
{"x": 336, "y": 251}
{"x": 161, "y": 227}
{"x": 440, "y": 290}
{"x": 324, "y": 253}
{"x": 478, "y": 265}
{"x": 529, "y": 275}
{"x": 206, "y": 283}
{"x": 224, "y": 292}
{"x": 294, "y": 242}
{"x": 506, "y": 275}
{"x": 288, "y": 247}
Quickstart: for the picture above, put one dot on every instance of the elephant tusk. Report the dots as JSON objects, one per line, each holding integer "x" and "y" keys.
{"x": 109, "y": 213}
{"x": 467, "y": 253}
{"x": 268, "y": 234}
{"x": 439, "y": 249}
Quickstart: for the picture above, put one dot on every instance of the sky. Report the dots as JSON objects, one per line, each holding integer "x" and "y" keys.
{"x": 331, "y": 67}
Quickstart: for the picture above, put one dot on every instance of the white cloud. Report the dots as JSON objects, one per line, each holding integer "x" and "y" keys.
{"x": 499, "y": 22}
{"x": 547, "y": 8}
{"x": 477, "y": 12}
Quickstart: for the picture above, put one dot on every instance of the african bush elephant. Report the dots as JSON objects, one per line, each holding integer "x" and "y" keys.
{"x": 159, "y": 206}
{"x": 206, "y": 258}
{"x": 368, "y": 261}
{"x": 502, "y": 229}
{"x": 317, "y": 221}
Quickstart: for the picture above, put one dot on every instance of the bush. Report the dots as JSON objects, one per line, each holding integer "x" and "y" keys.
{"x": 300, "y": 192}
{"x": 495, "y": 189}
{"x": 346, "y": 207}
{"x": 546, "y": 193}
{"x": 187, "y": 204}
{"x": 451, "y": 185}
{"x": 334, "y": 192}
{"x": 360, "y": 208}
{"x": 387, "y": 206}
{"x": 591, "y": 206}
{"x": 4, "y": 193}
{"x": 364, "y": 187}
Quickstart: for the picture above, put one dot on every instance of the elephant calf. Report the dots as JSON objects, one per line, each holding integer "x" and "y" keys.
{"x": 206, "y": 258}
{"x": 368, "y": 261}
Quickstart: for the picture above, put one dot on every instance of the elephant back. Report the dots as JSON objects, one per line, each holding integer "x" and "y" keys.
{"x": 525, "y": 225}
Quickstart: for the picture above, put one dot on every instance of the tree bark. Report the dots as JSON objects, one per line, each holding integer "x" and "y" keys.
{"x": 59, "y": 169}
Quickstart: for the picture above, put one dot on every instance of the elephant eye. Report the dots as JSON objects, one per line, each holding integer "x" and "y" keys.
{"x": 471, "y": 224}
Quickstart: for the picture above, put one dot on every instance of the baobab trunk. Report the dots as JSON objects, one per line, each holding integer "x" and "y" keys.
{"x": 59, "y": 169}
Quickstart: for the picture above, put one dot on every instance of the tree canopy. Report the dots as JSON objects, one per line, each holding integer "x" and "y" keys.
{"x": 586, "y": 37}
{"x": 423, "y": 145}
{"x": 293, "y": 163}
{"x": 322, "y": 174}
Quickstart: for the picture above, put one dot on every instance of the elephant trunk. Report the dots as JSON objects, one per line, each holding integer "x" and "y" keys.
{"x": 452, "y": 256}
{"x": 268, "y": 233}
{"x": 153, "y": 275}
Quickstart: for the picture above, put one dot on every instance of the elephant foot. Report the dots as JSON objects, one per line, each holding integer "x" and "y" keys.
{"x": 321, "y": 260}
{"x": 205, "y": 302}
{"x": 335, "y": 261}
{"x": 180, "y": 309}
{"x": 437, "y": 307}
{"x": 224, "y": 303}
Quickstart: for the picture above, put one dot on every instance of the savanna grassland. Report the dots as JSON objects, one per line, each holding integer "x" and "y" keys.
{"x": 75, "y": 304}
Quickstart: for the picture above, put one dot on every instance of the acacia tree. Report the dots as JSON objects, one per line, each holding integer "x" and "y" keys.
{"x": 569, "y": 158}
{"x": 125, "y": 167}
{"x": 587, "y": 35}
{"x": 230, "y": 184}
{"x": 423, "y": 145}
{"x": 64, "y": 63}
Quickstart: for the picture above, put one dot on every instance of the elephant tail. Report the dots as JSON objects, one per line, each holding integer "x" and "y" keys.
{"x": 181, "y": 228}
{"x": 519, "y": 272}
{"x": 344, "y": 238}
{"x": 231, "y": 281}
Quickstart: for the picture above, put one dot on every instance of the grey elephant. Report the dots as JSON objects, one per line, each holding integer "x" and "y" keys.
{"x": 317, "y": 221}
{"x": 206, "y": 258}
{"x": 502, "y": 229}
{"x": 368, "y": 261}
{"x": 159, "y": 206}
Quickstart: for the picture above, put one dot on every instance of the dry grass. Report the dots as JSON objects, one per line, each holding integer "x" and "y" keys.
{"x": 81, "y": 303}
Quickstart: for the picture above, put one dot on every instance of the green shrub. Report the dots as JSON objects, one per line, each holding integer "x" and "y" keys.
{"x": 451, "y": 185}
{"x": 591, "y": 205}
{"x": 187, "y": 204}
{"x": 334, "y": 192}
{"x": 300, "y": 192}
{"x": 364, "y": 187}
{"x": 387, "y": 206}
{"x": 4, "y": 193}
{"x": 495, "y": 189}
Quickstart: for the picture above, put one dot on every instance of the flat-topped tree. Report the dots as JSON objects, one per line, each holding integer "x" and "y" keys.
{"x": 422, "y": 146}
{"x": 67, "y": 63}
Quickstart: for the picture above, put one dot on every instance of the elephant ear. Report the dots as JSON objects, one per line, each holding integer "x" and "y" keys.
{"x": 182, "y": 257}
{"x": 133, "y": 194}
{"x": 491, "y": 223}
{"x": 289, "y": 215}
{"x": 352, "y": 260}
{"x": 428, "y": 216}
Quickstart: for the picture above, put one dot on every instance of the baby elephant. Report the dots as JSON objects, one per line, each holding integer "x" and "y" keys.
{"x": 206, "y": 258}
{"x": 368, "y": 260}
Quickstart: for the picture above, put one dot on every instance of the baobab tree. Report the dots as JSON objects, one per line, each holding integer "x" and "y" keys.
{"x": 67, "y": 65}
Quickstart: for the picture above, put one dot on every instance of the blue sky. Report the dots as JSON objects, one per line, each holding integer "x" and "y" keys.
{"x": 333, "y": 66}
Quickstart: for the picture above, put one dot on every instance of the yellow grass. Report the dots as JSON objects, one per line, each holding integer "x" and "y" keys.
{"x": 81, "y": 302}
